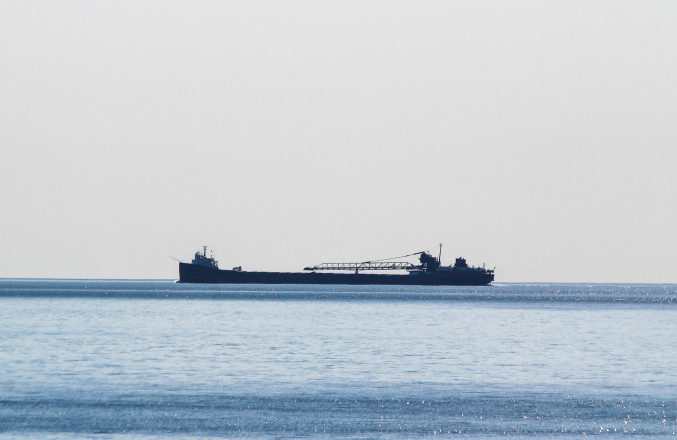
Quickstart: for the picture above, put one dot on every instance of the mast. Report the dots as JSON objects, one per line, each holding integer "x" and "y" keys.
{"x": 440, "y": 257}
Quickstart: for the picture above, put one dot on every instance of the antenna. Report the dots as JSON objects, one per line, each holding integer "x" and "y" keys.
{"x": 440, "y": 257}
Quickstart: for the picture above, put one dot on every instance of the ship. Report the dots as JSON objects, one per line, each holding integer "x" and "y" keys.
{"x": 428, "y": 272}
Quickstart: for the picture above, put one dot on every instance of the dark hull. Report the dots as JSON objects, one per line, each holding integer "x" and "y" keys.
{"x": 191, "y": 273}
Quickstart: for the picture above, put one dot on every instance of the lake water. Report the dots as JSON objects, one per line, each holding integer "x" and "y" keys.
{"x": 155, "y": 359}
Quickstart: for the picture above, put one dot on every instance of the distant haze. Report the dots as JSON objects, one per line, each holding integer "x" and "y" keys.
{"x": 539, "y": 137}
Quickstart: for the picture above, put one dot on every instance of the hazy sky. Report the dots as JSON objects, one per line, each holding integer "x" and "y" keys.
{"x": 536, "y": 136}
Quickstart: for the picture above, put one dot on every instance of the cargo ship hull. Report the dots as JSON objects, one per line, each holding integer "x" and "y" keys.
{"x": 193, "y": 273}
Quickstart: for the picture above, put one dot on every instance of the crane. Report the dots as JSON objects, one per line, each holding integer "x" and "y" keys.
{"x": 428, "y": 263}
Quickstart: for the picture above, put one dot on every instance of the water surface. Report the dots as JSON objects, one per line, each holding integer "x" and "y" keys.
{"x": 156, "y": 359}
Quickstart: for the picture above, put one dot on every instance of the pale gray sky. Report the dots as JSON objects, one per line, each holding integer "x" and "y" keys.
{"x": 536, "y": 136}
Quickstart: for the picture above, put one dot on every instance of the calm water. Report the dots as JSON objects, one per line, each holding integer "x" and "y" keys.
{"x": 155, "y": 359}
